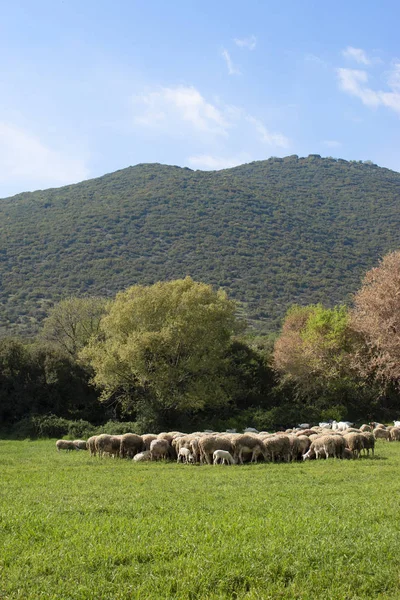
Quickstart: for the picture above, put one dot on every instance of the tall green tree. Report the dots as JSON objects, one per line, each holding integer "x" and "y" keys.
{"x": 167, "y": 344}
{"x": 73, "y": 321}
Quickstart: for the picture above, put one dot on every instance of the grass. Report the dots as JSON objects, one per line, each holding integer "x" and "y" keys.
{"x": 75, "y": 527}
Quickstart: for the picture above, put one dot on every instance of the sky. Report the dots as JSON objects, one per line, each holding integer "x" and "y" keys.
{"x": 89, "y": 87}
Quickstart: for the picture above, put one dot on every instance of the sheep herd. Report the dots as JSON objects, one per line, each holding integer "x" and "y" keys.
{"x": 327, "y": 440}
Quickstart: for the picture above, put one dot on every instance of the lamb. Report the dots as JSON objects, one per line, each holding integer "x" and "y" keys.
{"x": 130, "y": 445}
{"x": 80, "y": 444}
{"x": 65, "y": 445}
{"x": 142, "y": 456}
{"x": 159, "y": 449}
{"x": 185, "y": 456}
{"x": 224, "y": 456}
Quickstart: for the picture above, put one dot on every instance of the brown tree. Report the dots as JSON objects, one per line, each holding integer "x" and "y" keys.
{"x": 376, "y": 316}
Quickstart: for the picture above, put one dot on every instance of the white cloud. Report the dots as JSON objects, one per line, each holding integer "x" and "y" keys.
{"x": 332, "y": 143}
{"x": 249, "y": 42}
{"x": 266, "y": 136}
{"x": 182, "y": 112}
{"x": 232, "y": 70}
{"x": 313, "y": 58}
{"x": 168, "y": 105}
{"x": 25, "y": 160}
{"x": 356, "y": 54}
{"x": 215, "y": 163}
{"x": 355, "y": 83}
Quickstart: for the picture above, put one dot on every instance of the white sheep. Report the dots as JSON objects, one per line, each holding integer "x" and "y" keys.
{"x": 224, "y": 456}
{"x": 65, "y": 445}
{"x": 142, "y": 456}
{"x": 396, "y": 423}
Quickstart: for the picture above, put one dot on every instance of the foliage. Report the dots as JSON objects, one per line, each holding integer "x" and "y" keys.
{"x": 72, "y": 322}
{"x": 376, "y": 316}
{"x": 37, "y": 380}
{"x": 79, "y": 528}
{"x": 169, "y": 341}
{"x": 271, "y": 233}
{"x": 315, "y": 353}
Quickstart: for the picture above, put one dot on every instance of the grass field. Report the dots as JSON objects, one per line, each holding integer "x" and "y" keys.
{"x": 75, "y": 527}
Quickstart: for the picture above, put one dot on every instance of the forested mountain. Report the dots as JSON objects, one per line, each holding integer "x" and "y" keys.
{"x": 272, "y": 233}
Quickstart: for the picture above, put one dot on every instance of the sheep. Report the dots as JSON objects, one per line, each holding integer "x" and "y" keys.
{"x": 185, "y": 456}
{"x": 348, "y": 454}
{"x": 325, "y": 425}
{"x": 247, "y": 443}
{"x": 365, "y": 427}
{"x": 381, "y": 434}
{"x": 131, "y": 444}
{"x": 396, "y": 423}
{"x": 341, "y": 425}
{"x": 354, "y": 443}
{"x": 147, "y": 439}
{"x": 80, "y": 444}
{"x": 395, "y": 434}
{"x": 327, "y": 445}
{"x": 304, "y": 443}
{"x": 305, "y": 432}
{"x": 91, "y": 445}
{"x": 108, "y": 444}
{"x": 224, "y": 456}
{"x": 65, "y": 445}
{"x": 277, "y": 447}
{"x": 159, "y": 449}
{"x": 368, "y": 440}
{"x": 142, "y": 456}
{"x": 210, "y": 443}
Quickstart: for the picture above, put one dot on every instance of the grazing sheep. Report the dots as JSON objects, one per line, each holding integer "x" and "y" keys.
{"x": 348, "y": 454}
{"x": 108, "y": 444}
{"x": 304, "y": 443}
{"x": 224, "y": 456}
{"x": 306, "y": 432}
{"x": 80, "y": 444}
{"x": 247, "y": 443}
{"x": 142, "y": 456}
{"x": 65, "y": 445}
{"x": 185, "y": 456}
{"x": 159, "y": 449}
{"x": 368, "y": 442}
{"x": 377, "y": 425}
{"x": 210, "y": 443}
{"x": 396, "y": 423}
{"x": 91, "y": 445}
{"x": 325, "y": 425}
{"x": 341, "y": 425}
{"x": 381, "y": 434}
{"x": 277, "y": 447}
{"x": 365, "y": 427}
{"x": 395, "y": 434}
{"x": 326, "y": 446}
{"x": 131, "y": 444}
{"x": 354, "y": 443}
{"x": 147, "y": 439}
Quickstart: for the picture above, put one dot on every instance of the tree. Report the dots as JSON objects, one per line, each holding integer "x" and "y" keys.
{"x": 314, "y": 352}
{"x": 376, "y": 316}
{"x": 167, "y": 344}
{"x": 73, "y": 321}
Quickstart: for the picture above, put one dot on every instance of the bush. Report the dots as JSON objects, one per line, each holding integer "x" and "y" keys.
{"x": 117, "y": 428}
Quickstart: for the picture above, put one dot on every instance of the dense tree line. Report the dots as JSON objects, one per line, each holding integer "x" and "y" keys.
{"x": 175, "y": 355}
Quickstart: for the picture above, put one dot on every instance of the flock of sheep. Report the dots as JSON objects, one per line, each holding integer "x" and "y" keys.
{"x": 336, "y": 440}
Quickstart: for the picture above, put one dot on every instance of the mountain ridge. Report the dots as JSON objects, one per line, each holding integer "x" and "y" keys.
{"x": 270, "y": 232}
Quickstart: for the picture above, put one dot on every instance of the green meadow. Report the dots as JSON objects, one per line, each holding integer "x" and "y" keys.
{"x": 76, "y": 527}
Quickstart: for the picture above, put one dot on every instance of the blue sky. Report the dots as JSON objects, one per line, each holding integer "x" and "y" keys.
{"x": 89, "y": 87}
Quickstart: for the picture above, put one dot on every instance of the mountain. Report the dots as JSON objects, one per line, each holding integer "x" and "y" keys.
{"x": 271, "y": 233}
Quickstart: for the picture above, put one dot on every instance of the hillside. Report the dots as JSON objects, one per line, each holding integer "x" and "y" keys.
{"x": 272, "y": 233}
